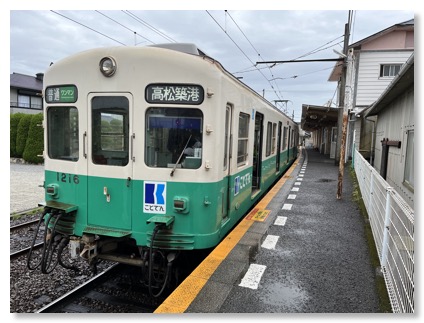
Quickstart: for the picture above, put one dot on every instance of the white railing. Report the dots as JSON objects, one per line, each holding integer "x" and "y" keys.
{"x": 392, "y": 224}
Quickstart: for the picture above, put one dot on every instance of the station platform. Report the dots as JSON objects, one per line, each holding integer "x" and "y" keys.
{"x": 300, "y": 250}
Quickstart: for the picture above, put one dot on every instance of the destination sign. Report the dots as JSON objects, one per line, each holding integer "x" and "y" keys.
{"x": 175, "y": 93}
{"x": 61, "y": 94}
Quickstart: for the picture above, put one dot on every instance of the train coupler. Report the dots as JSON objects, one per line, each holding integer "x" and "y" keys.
{"x": 89, "y": 252}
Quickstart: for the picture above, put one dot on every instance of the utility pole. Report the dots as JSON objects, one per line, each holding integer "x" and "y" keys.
{"x": 342, "y": 113}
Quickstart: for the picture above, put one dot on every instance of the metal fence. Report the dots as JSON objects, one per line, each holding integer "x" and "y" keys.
{"x": 392, "y": 224}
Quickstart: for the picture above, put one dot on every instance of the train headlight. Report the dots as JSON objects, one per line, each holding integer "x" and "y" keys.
{"x": 52, "y": 190}
{"x": 107, "y": 66}
{"x": 181, "y": 204}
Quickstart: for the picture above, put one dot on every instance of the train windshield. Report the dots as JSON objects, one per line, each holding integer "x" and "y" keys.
{"x": 62, "y": 133}
{"x": 174, "y": 138}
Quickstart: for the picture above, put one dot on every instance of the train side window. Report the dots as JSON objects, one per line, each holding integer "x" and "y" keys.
{"x": 268, "y": 139}
{"x": 292, "y": 138}
{"x": 243, "y": 137}
{"x": 284, "y": 146}
{"x": 274, "y": 137}
{"x": 174, "y": 138}
{"x": 62, "y": 133}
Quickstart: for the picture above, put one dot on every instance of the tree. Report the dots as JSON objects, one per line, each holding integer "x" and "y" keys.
{"x": 22, "y": 134}
{"x": 14, "y": 121}
{"x": 35, "y": 143}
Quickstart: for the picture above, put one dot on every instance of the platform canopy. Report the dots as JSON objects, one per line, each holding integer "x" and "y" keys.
{"x": 315, "y": 117}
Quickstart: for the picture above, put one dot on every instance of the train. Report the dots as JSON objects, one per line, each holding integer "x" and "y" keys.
{"x": 151, "y": 153}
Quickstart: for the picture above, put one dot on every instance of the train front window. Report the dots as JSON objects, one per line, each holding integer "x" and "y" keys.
{"x": 173, "y": 138}
{"x": 110, "y": 126}
{"x": 62, "y": 133}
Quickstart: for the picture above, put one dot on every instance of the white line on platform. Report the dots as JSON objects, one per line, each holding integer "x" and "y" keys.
{"x": 253, "y": 276}
{"x": 280, "y": 220}
{"x": 295, "y": 189}
{"x": 270, "y": 242}
{"x": 287, "y": 206}
{"x": 291, "y": 196}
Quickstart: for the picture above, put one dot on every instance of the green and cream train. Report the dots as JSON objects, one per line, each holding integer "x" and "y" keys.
{"x": 151, "y": 152}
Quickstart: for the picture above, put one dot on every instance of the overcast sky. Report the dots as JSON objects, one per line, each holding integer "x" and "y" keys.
{"x": 238, "y": 39}
{"x": 251, "y": 31}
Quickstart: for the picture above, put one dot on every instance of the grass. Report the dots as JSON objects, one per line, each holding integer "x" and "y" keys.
{"x": 19, "y": 215}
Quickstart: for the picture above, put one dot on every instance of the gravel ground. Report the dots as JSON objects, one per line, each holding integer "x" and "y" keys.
{"x": 30, "y": 290}
{"x": 25, "y": 181}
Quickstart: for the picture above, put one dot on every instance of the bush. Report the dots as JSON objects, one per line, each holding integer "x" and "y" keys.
{"x": 14, "y": 121}
{"x": 22, "y": 134}
{"x": 35, "y": 142}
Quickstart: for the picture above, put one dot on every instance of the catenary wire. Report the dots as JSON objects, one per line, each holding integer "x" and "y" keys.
{"x": 141, "y": 21}
{"x": 96, "y": 31}
{"x": 117, "y": 22}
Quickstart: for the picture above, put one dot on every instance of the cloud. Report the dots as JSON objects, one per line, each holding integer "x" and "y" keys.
{"x": 238, "y": 39}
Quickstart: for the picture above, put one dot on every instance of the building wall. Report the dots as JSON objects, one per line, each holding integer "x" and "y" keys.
{"x": 399, "y": 39}
{"x": 369, "y": 84}
{"x": 393, "y": 123}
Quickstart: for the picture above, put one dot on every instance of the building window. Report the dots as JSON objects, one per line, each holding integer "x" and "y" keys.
{"x": 409, "y": 161}
{"x": 389, "y": 70}
{"x": 23, "y": 101}
{"x": 36, "y": 103}
{"x": 243, "y": 136}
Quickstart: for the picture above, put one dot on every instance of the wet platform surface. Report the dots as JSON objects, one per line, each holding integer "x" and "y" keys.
{"x": 308, "y": 256}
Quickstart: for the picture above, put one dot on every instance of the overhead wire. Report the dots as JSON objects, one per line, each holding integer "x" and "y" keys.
{"x": 314, "y": 51}
{"x": 162, "y": 34}
{"x": 144, "y": 23}
{"x": 117, "y": 22}
{"x": 81, "y": 24}
{"x": 241, "y": 50}
{"x": 257, "y": 52}
{"x": 318, "y": 49}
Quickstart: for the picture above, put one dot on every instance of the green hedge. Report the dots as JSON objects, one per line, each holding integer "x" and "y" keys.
{"x": 14, "y": 121}
{"x": 22, "y": 134}
{"x": 35, "y": 142}
{"x": 27, "y": 137}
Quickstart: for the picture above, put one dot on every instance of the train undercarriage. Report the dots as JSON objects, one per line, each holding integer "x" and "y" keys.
{"x": 160, "y": 269}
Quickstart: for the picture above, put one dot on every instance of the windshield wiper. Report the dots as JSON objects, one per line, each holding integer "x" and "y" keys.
{"x": 181, "y": 155}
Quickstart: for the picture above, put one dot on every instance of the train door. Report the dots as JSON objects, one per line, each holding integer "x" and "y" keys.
{"x": 277, "y": 162}
{"x": 257, "y": 153}
{"x": 227, "y": 163}
{"x": 109, "y": 162}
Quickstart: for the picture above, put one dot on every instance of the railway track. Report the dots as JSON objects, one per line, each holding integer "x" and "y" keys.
{"x": 115, "y": 290}
{"x": 21, "y": 235}
{"x": 24, "y": 251}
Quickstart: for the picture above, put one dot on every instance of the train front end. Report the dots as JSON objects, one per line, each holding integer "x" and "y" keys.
{"x": 130, "y": 159}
